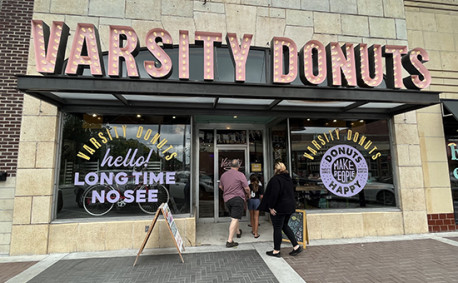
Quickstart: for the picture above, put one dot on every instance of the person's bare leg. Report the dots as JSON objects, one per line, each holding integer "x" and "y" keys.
{"x": 255, "y": 222}
{"x": 238, "y": 227}
{"x": 233, "y": 229}
{"x": 252, "y": 220}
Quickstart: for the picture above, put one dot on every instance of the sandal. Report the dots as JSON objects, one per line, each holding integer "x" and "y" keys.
{"x": 239, "y": 235}
{"x": 256, "y": 236}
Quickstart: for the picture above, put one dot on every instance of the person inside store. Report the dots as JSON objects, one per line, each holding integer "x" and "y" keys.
{"x": 235, "y": 189}
{"x": 256, "y": 194}
{"x": 279, "y": 201}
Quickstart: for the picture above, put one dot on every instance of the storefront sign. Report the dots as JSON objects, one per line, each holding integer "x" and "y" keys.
{"x": 334, "y": 135}
{"x": 114, "y": 132}
{"x": 256, "y": 167}
{"x": 313, "y": 62}
{"x": 164, "y": 209}
{"x": 343, "y": 170}
{"x": 454, "y": 152}
{"x": 113, "y": 176}
{"x": 226, "y": 163}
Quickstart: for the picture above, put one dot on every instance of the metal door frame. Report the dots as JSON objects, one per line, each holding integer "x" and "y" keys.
{"x": 224, "y": 126}
{"x": 234, "y": 147}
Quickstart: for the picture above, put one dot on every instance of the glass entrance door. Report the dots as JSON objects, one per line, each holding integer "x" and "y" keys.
{"x": 225, "y": 155}
{"x": 217, "y": 148}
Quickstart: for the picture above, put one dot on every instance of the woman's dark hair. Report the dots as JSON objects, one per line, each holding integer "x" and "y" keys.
{"x": 255, "y": 182}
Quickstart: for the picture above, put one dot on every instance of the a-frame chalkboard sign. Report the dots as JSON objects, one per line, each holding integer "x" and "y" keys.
{"x": 165, "y": 211}
{"x": 298, "y": 223}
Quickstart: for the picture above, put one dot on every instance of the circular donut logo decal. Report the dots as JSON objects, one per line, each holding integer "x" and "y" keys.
{"x": 343, "y": 170}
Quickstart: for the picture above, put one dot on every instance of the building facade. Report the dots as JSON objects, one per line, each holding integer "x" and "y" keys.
{"x": 148, "y": 92}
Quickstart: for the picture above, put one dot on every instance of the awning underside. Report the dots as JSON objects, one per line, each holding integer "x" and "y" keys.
{"x": 162, "y": 97}
{"x": 452, "y": 107}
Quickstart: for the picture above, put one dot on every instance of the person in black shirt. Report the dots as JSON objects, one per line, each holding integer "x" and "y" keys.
{"x": 279, "y": 201}
{"x": 256, "y": 194}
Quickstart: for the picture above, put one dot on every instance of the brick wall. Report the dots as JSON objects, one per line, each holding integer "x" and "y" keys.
{"x": 442, "y": 222}
{"x": 15, "y": 16}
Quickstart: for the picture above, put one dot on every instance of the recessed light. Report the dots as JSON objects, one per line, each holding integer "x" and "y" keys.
{"x": 174, "y": 117}
{"x": 139, "y": 116}
{"x": 235, "y": 116}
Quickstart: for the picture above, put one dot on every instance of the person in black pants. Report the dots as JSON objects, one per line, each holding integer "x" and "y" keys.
{"x": 279, "y": 201}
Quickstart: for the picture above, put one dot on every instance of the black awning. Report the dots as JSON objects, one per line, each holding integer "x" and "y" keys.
{"x": 142, "y": 96}
{"x": 450, "y": 107}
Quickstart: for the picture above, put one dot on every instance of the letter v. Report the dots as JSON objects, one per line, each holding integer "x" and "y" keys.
{"x": 49, "y": 47}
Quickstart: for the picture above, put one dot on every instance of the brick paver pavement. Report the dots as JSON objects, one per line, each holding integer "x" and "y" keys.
{"x": 10, "y": 269}
{"x": 230, "y": 266}
{"x": 399, "y": 261}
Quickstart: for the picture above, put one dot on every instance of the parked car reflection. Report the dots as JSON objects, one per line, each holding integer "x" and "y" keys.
{"x": 179, "y": 190}
{"x": 311, "y": 192}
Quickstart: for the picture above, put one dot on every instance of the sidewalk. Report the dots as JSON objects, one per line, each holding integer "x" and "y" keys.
{"x": 412, "y": 258}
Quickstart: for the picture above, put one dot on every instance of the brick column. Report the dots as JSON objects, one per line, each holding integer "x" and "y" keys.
{"x": 15, "y": 16}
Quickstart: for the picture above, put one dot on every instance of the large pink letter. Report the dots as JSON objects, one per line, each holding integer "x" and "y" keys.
{"x": 208, "y": 38}
{"x": 420, "y": 76}
{"x": 183, "y": 55}
{"x": 393, "y": 54}
{"x": 342, "y": 62}
{"x": 313, "y": 63}
{"x": 278, "y": 45}
{"x": 85, "y": 51}
{"x": 369, "y": 65}
{"x": 239, "y": 54}
{"x": 123, "y": 46}
{"x": 49, "y": 48}
{"x": 166, "y": 63}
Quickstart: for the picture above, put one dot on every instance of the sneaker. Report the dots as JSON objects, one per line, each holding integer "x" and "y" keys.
{"x": 239, "y": 235}
{"x": 231, "y": 244}
{"x": 296, "y": 252}
{"x": 271, "y": 253}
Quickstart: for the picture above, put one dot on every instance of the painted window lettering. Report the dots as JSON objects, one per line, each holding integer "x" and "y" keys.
{"x": 100, "y": 183}
{"x": 343, "y": 170}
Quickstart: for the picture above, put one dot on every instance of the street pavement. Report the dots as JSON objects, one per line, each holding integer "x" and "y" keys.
{"x": 406, "y": 258}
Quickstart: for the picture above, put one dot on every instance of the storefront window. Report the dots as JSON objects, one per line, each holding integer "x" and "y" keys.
{"x": 206, "y": 173}
{"x": 279, "y": 134}
{"x": 256, "y": 154}
{"x": 315, "y": 140}
{"x": 231, "y": 137}
{"x": 451, "y": 138}
{"x": 123, "y": 165}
